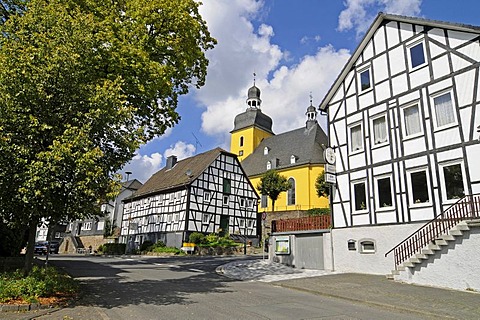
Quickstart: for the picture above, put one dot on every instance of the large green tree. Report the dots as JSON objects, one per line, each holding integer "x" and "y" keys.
{"x": 83, "y": 83}
{"x": 272, "y": 184}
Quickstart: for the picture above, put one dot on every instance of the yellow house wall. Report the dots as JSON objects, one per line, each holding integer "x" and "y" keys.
{"x": 252, "y": 137}
{"x": 305, "y": 195}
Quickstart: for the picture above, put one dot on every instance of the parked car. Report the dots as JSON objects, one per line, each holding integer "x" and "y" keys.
{"x": 41, "y": 247}
{"x": 54, "y": 246}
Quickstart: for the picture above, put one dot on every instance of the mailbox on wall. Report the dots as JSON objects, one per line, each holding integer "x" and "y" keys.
{"x": 282, "y": 245}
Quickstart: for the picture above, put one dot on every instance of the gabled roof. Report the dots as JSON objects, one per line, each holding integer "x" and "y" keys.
{"x": 182, "y": 174}
{"x": 305, "y": 144}
{"x": 370, "y": 33}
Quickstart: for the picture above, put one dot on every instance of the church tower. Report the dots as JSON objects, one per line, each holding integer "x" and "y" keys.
{"x": 311, "y": 115}
{"x": 250, "y": 127}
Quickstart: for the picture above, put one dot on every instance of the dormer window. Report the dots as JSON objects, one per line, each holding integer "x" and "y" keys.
{"x": 265, "y": 150}
{"x": 293, "y": 159}
{"x": 269, "y": 165}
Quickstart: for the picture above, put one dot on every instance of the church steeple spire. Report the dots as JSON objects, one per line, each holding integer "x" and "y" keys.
{"x": 311, "y": 114}
{"x": 253, "y": 98}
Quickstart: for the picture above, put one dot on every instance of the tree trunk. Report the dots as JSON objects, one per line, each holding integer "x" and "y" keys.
{"x": 273, "y": 206}
{"x": 32, "y": 230}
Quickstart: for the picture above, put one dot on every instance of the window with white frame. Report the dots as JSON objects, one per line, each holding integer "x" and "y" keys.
{"x": 379, "y": 130}
{"x": 356, "y": 138}
{"x": 264, "y": 201}
{"x": 453, "y": 181}
{"x": 419, "y": 187}
{"x": 226, "y": 200}
{"x": 360, "y": 196}
{"x": 269, "y": 165}
{"x": 206, "y": 196}
{"x": 384, "y": 192}
{"x": 169, "y": 218}
{"x": 87, "y": 226}
{"x": 444, "y": 110}
{"x": 367, "y": 246}
{"x": 293, "y": 159}
{"x": 242, "y": 223}
{"x": 250, "y": 224}
{"x": 205, "y": 218}
{"x": 100, "y": 225}
{"x": 242, "y": 203}
{"x": 250, "y": 203}
{"x": 291, "y": 192}
{"x": 411, "y": 119}
{"x": 365, "y": 79}
{"x": 265, "y": 150}
{"x": 416, "y": 55}
{"x": 176, "y": 217}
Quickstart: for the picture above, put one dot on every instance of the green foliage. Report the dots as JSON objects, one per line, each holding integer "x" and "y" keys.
{"x": 12, "y": 240}
{"x": 323, "y": 189}
{"x": 196, "y": 237}
{"x": 214, "y": 240}
{"x": 82, "y": 85}
{"x": 318, "y": 212}
{"x": 167, "y": 250}
{"x": 146, "y": 245}
{"x": 112, "y": 248}
{"x": 272, "y": 184}
{"x": 41, "y": 282}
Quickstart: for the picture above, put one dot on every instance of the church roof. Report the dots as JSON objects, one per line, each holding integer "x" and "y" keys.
{"x": 253, "y": 117}
{"x": 305, "y": 144}
{"x": 182, "y": 174}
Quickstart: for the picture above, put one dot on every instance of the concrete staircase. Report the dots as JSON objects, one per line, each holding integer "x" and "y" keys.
{"x": 434, "y": 247}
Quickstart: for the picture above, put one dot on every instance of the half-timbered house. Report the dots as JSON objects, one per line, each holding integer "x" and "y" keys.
{"x": 205, "y": 193}
{"x": 403, "y": 117}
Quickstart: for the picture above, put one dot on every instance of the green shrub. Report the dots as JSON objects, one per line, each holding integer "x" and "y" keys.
{"x": 167, "y": 250}
{"x": 318, "y": 212}
{"x": 113, "y": 248}
{"x": 159, "y": 244}
{"x": 196, "y": 237}
{"x": 41, "y": 282}
{"x": 146, "y": 245}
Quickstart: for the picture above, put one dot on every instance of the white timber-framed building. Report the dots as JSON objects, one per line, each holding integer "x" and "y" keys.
{"x": 404, "y": 121}
{"x": 205, "y": 193}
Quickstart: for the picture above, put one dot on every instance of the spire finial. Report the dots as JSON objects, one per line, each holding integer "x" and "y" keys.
{"x": 254, "y": 75}
{"x": 311, "y": 97}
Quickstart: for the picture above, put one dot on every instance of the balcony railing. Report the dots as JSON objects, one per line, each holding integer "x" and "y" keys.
{"x": 466, "y": 208}
{"x": 302, "y": 224}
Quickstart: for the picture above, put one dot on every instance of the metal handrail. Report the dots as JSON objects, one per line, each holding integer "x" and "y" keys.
{"x": 465, "y": 208}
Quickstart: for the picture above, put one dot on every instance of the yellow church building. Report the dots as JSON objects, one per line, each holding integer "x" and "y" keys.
{"x": 296, "y": 154}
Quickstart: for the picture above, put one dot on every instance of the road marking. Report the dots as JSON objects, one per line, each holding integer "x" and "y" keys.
{"x": 196, "y": 270}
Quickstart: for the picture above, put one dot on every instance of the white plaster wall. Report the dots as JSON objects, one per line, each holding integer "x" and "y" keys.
{"x": 385, "y": 237}
{"x": 455, "y": 266}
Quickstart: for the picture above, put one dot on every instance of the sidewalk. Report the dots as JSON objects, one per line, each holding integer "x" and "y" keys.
{"x": 362, "y": 288}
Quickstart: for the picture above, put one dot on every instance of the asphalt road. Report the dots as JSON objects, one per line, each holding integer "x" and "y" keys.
{"x": 188, "y": 288}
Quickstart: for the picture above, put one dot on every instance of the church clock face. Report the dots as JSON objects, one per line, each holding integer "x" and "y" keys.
{"x": 329, "y": 155}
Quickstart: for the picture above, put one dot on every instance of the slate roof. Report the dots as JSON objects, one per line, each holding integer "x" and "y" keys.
{"x": 253, "y": 117}
{"x": 167, "y": 179}
{"x": 305, "y": 144}
{"x": 370, "y": 33}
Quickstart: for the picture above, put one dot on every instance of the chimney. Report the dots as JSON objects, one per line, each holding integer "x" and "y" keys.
{"x": 171, "y": 161}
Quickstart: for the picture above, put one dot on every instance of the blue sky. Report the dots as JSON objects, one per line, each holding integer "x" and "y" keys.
{"x": 294, "y": 47}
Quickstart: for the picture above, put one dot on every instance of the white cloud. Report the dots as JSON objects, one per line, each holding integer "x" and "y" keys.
{"x": 142, "y": 167}
{"x": 181, "y": 150}
{"x": 359, "y": 14}
{"x": 241, "y": 50}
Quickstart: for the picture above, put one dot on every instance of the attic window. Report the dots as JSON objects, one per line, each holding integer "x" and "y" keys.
{"x": 293, "y": 159}
{"x": 269, "y": 165}
{"x": 265, "y": 150}
{"x": 365, "y": 81}
{"x": 417, "y": 55}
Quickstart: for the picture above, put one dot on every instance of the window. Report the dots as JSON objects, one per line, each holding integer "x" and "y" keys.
{"x": 351, "y": 244}
{"x": 205, "y": 218}
{"x": 417, "y": 57}
{"x": 356, "y": 138}
{"x": 269, "y": 165}
{"x": 367, "y": 246}
{"x": 206, "y": 196}
{"x": 87, "y": 226}
{"x": 226, "y": 200}
{"x": 265, "y": 150}
{"x": 176, "y": 217}
{"x": 419, "y": 187}
{"x": 379, "y": 130}
{"x": 444, "y": 111}
{"x": 384, "y": 191}
{"x": 453, "y": 179}
{"x": 240, "y": 153}
{"x": 169, "y": 218}
{"x": 360, "y": 196}
{"x": 291, "y": 192}
{"x": 100, "y": 225}
{"x": 293, "y": 159}
{"x": 241, "y": 142}
{"x": 264, "y": 201}
{"x": 242, "y": 203}
{"x": 365, "y": 80}
{"x": 242, "y": 223}
{"x": 227, "y": 186}
{"x": 250, "y": 224}
{"x": 411, "y": 116}
{"x": 250, "y": 203}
